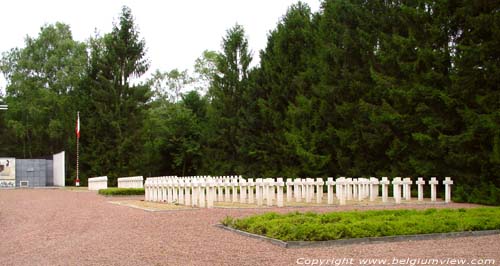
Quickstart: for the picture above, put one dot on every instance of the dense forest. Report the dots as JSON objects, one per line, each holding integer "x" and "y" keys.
{"x": 359, "y": 88}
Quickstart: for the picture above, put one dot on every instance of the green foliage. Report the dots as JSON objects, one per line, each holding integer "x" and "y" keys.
{"x": 121, "y": 191}
{"x": 228, "y": 85}
{"x": 172, "y": 140}
{"x": 483, "y": 193}
{"x": 112, "y": 108}
{"x": 42, "y": 80}
{"x": 310, "y": 226}
{"x": 168, "y": 85}
{"x": 380, "y": 88}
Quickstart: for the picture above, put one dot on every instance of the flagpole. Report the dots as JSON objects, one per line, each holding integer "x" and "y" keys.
{"x": 78, "y": 150}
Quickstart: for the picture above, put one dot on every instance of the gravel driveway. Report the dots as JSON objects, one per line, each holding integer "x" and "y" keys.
{"x": 62, "y": 227}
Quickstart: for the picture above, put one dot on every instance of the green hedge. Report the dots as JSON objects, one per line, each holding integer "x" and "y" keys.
{"x": 483, "y": 193}
{"x": 310, "y": 226}
{"x": 121, "y": 191}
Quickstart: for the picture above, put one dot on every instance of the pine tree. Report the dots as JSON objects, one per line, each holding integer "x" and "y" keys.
{"x": 114, "y": 107}
{"x": 226, "y": 92}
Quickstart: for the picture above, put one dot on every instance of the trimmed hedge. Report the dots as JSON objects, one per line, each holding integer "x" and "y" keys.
{"x": 121, "y": 191}
{"x": 310, "y": 226}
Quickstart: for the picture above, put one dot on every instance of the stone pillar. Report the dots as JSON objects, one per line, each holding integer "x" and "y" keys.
{"x": 210, "y": 193}
{"x": 258, "y": 191}
{"x": 289, "y": 191}
{"x": 265, "y": 189}
{"x": 373, "y": 188}
{"x": 170, "y": 191}
{"x": 220, "y": 194}
{"x": 269, "y": 190}
{"x": 181, "y": 192}
{"x": 227, "y": 192}
{"x": 195, "y": 192}
{"x": 319, "y": 190}
{"x": 159, "y": 186}
{"x": 175, "y": 192}
{"x": 309, "y": 189}
{"x": 271, "y": 195}
{"x": 154, "y": 190}
{"x": 355, "y": 189}
{"x": 447, "y": 189}
{"x": 303, "y": 186}
{"x": 297, "y": 184}
{"x": 433, "y": 184}
{"x": 420, "y": 186}
{"x": 243, "y": 191}
{"x": 367, "y": 185}
{"x": 341, "y": 193}
{"x": 151, "y": 189}
{"x": 329, "y": 187}
{"x": 187, "y": 193}
{"x": 385, "y": 190}
{"x": 366, "y": 188}
{"x": 162, "y": 189}
{"x": 337, "y": 187}
{"x": 234, "y": 189}
{"x": 250, "y": 185}
{"x": 357, "y": 184}
{"x": 348, "y": 188}
{"x": 201, "y": 193}
{"x": 279, "y": 185}
{"x": 407, "y": 187}
{"x": 396, "y": 184}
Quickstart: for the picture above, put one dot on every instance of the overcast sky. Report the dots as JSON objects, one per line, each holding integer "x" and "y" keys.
{"x": 176, "y": 31}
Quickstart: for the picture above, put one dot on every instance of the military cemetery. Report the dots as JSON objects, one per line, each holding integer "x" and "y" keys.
{"x": 204, "y": 191}
{"x": 314, "y": 132}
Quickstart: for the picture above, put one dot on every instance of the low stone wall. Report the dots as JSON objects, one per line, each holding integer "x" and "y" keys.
{"x": 131, "y": 182}
{"x": 96, "y": 183}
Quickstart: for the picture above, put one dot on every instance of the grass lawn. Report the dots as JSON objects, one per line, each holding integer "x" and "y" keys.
{"x": 121, "y": 191}
{"x": 310, "y": 226}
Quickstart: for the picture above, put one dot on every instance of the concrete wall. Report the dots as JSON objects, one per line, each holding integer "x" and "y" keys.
{"x": 32, "y": 170}
{"x": 59, "y": 169}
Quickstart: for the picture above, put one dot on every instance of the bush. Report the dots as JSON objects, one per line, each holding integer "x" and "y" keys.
{"x": 310, "y": 226}
{"x": 485, "y": 193}
{"x": 121, "y": 191}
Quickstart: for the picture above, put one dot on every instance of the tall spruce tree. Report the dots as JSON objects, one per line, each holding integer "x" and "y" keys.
{"x": 226, "y": 91}
{"x": 284, "y": 74}
{"x": 112, "y": 106}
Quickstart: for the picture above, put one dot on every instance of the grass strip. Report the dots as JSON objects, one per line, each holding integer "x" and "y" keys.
{"x": 309, "y": 226}
{"x": 121, "y": 191}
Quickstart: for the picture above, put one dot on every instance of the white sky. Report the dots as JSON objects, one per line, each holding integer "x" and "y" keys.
{"x": 176, "y": 32}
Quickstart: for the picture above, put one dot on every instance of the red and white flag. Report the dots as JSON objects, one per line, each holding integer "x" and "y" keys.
{"x": 77, "y": 129}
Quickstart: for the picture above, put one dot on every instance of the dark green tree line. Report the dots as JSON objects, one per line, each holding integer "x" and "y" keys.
{"x": 360, "y": 88}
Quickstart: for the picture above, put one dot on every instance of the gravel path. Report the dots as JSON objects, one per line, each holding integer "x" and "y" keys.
{"x": 62, "y": 227}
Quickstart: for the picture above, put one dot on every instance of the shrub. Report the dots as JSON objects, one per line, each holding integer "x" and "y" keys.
{"x": 121, "y": 191}
{"x": 484, "y": 193}
{"x": 310, "y": 226}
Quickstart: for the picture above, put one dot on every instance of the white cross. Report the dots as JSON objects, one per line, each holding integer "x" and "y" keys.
{"x": 420, "y": 185}
{"x": 447, "y": 189}
{"x": 433, "y": 184}
{"x": 385, "y": 193}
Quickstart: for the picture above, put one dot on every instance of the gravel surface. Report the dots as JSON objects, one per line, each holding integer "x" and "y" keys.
{"x": 64, "y": 227}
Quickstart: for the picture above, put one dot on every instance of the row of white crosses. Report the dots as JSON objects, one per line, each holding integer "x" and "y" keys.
{"x": 361, "y": 188}
{"x": 203, "y": 191}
